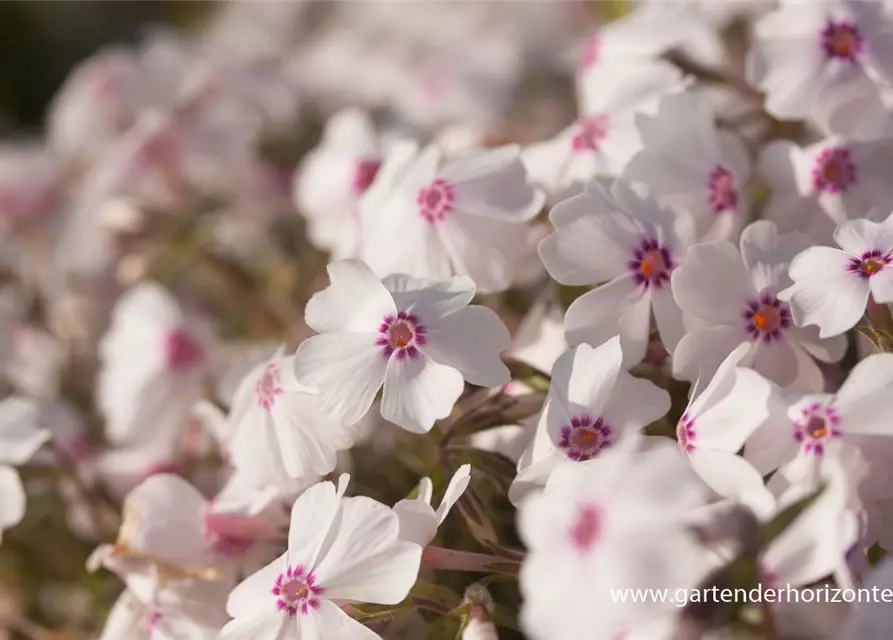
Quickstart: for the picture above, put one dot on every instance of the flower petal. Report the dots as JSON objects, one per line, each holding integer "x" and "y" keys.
{"x": 355, "y": 302}
{"x": 20, "y": 436}
{"x": 583, "y": 378}
{"x": 312, "y": 517}
{"x": 261, "y": 623}
{"x": 734, "y": 478}
{"x": 252, "y": 595}
{"x": 713, "y": 284}
{"x": 329, "y": 621}
{"x": 12, "y": 498}
{"x": 418, "y": 392}
{"x": 471, "y": 341}
{"x": 430, "y": 300}
{"x": 348, "y": 369}
{"x": 861, "y": 235}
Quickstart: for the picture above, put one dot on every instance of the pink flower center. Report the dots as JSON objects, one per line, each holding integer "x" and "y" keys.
{"x": 816, "y": 426}
{"x": 842, "y": 40}
{"x": 651, "y": 264}
{"x": 181, "y": 351}
{"x": 364, "y": 173}
{"x": 269, "y": 386}
{"x": 401, "y": 334}
{"x": 685, "y": 433}
{"x": 591, "y": 132}
{"x": 585, "y": 530}
{"x": 869, "y": 263}
{"x": 766, "y": 317}
{"x": 436, "y": 201}
{"x": 723, "y": 195}
{"x": 834, "y": 171}
{"x": 584, "y": 438}
{"x": 296, "y": 592}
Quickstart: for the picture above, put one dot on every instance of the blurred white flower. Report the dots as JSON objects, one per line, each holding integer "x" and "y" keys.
{"x": 612, "y": 523}
{"x": 20, "y": 438}
{"x": 728, "y": 296}
{"x": 153, "y": 360}
{"x": 332, "y": 178}
{"x": 720, "y": 416}
{"x": 592, "y": 405}
{"x": 831, "y": 287}
{"x": 804, "y": 429}
{"x": 816, "y": 188}
{"x": 810, "y": 57}
{"x": 418, "y": 338}
{"x": 690, "y": 165}
{"x": 278, "y": 431}
{"x": 640, "y": 244}
{"x": 433, "y": 219}
{"x": 418, "y": 519}
{"x": 340, "y": 550}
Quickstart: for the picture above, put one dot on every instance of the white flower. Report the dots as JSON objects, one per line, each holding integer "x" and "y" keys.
{"x": 612, "y": 523}
{"x": 816, "y": 188}
{"x": 807, "y": 428}
{"x": 277, "y": 431}
{"x": 832, "y": 286}
{"x": 719, "y": 418}
{"x": 728, "y": 296}
{"x": 815, "y": 544}
{"x": 416, "y": 337}
{"x": 690, "y": 165}
{"x": 809, "y": 57}
{"x": 339, "y": 550}
{"x": 331, "y": 179}
{"x": 418, "y": 520}
{"x": 432, "y": 219}
{"x": 20, "y": 438}
{"x": 604, "y": 138}
{"x": 639, "y": 245}
{"x": 592, "y": 405}
{"x": 153, "y": 359}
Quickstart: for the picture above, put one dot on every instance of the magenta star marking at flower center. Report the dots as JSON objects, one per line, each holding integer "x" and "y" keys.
{"x": 766, "y": 318}
{"x": 584, "y": 437}
{"x": 723, "y": 195}
{"x": 651, "y": 264}
{"x": 869, "y": 263}
{"x": 296, "y": 592}
{"x": 816, "y": 426}
{"x": 401, "y": 334}
{"x": 364, "y": 173}
{"x": 834, "y": 171}
{"x": 436, "y": 200}
{"x": 584, "y": 532}
{"x": 842, "y": 41}
{"x": 591, "y": 133}
{"x": 269, "y": 386}
{"x": 685, "y": 433}
{"x": 181, "y": 351}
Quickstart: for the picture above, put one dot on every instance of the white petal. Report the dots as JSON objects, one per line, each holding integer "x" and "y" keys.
{"x": 355, "y": 301}
{"x": 733, "y": 477}
{"x": 730, "y": 420}
{"x": 701, "y": 352}
{"x": 668, "y": 317}
{"x": 881, "y": 285}
{"x": 366, "y": 561}
{"x": 419, "y": 391}
{"x": 252, "y": 595}
{"x": 312, "y": 517}
{"x": 583, "y": 378}
{"x": 713, "y": 284}
{"x": 634, "y": 404}
{"x": 418, "y": 524}
{"x": 865, "y": 399}
{"x": 329, "y": 621}
{"x": 20, "y": 436}
{"x": 824, "y": 293}
{"x": 582, "y": 224}
{"x": 12, "y": 498}
{"x": 259, "y": 624}
{"x": 767, "y": 253}
{"x": 430, "y": 300}
{"x": 471, "y": 341}
{"x": 348, "y": 370}
{"x": 859, "y": 236}
{"x": 776, "y": 360}
{"x": 457, "y": 486}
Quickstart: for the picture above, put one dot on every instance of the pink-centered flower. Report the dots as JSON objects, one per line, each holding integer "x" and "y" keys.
{"x": 434, "y": 218}
{"x": 340, "y": 550}
{"x": 831, "y": 287}
{"x": 417, "y": 338}
{"x": 640, "y": 245}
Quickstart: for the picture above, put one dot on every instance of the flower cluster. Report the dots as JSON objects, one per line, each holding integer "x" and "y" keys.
{"x": 646, "y": 346}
